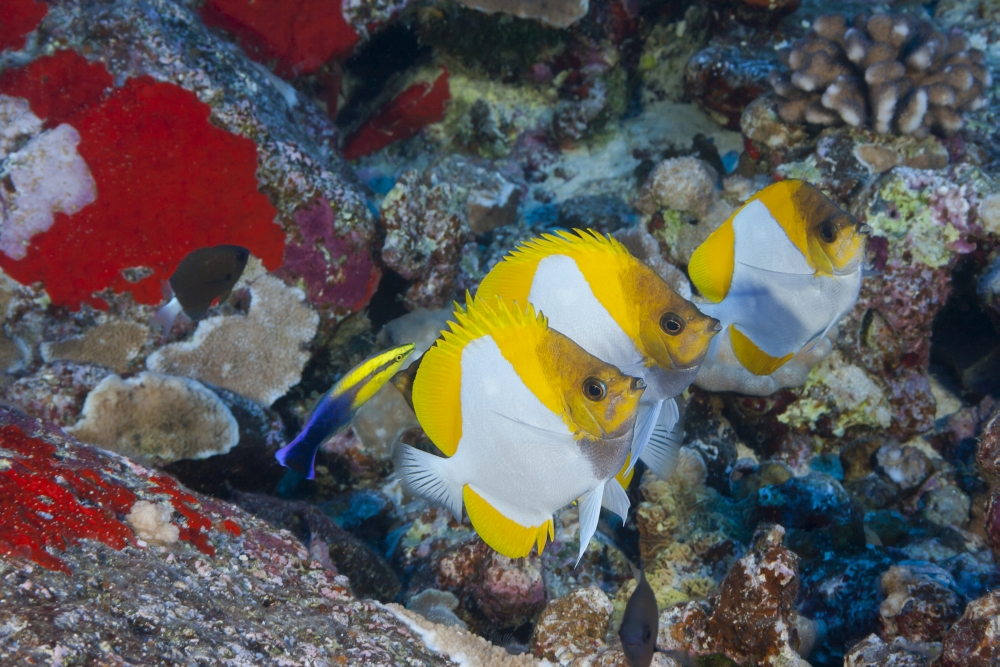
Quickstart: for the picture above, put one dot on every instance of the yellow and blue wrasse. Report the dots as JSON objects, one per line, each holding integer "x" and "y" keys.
{"x": 614, "y": 306}
{"x": 336, "y": 409}
{"x": 528, "y": 422}
{"x": 779, "y": 273}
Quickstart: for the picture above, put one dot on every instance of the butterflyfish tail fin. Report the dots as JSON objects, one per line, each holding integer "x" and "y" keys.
{"x": 503, "y": 534}
{"x": 165, "y": 316}
{"x": 615, "y": 499}
{"x": 663, "y": 449}
{"x": 645, "y": 423}
{"x": 590, "y": 512}
{"x": 426, "y": 475}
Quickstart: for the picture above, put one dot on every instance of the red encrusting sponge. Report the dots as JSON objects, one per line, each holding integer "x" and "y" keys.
{"x": 168, "y": 181}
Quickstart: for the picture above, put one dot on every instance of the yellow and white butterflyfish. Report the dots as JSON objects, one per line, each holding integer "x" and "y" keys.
{"x": 528, "y": 422}
{"x": 779, "y": 274}
{"x": 614, "y": 306}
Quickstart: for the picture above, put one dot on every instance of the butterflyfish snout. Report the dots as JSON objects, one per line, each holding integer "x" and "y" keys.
{"x": 513, "y": 404}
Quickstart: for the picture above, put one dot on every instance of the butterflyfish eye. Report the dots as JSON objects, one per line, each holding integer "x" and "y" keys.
{"x": 672, "y": 324}
{"x": 828, "y": 231}
{"x": 594, "y": 389}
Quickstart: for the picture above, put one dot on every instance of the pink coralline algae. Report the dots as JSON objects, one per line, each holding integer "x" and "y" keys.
{"x": 17, "y": 19}
{"x": 160, "y": 169}
{"x": 336, "y": 270}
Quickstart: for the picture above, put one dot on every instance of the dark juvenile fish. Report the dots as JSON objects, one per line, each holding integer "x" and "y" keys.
{"x": 207, "y": 274}
{"x": 640, "y": 624}
{"x": 204, "y": 275}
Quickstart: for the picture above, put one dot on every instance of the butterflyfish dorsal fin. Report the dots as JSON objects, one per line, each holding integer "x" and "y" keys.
{"x": 712, "y": 264}
{"x": 783, "y": 202}
{"x": 437, "y": 387}
{"x": 511, "y": 279}
{"x": 754, "y": 359}
{"x": 505, "y": 535}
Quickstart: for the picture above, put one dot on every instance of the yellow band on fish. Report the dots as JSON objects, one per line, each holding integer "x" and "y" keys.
{"x": 752, "y": 357}
{"x": 505, "y": 536}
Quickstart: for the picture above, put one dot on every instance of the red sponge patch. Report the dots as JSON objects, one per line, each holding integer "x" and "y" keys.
{"x": 17, "y": 19}
{"x": 168, "y": 182}
{"x": 300, "y": 35}
{"x": 419, "y": 105}
{"x": 57, "y": 85}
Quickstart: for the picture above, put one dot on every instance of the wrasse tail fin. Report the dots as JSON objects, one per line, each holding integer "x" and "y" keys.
{"x": 424, "y": 475}
{"x": 615, "y": 499}
{"x": 663, "y": 449}
{"x": 504, "y": 535}
{"x": 300, "y": 454}
{"x": 590, "y": 512}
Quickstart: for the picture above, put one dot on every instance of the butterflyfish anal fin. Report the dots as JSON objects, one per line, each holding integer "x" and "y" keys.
{"x": 752, "y": 357}
{"x": 590, "y": 513}
{"x": 625, "y": 475}
{"x": 425, "y": 475}
{"x": 712, "y": 264}
{"x": 502, "y": 534}
{"x": 664, "y": 446}
{"x": 615, "y": 499}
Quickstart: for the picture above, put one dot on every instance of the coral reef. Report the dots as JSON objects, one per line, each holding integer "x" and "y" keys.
{"x": 572, "y": 626}
{"x": 975, "y": 639}
{"x": 156, "y": 419}
{"x": 112, "y": 344}
{"x": 258, "y": 355}
{"x": 888, "y": 71}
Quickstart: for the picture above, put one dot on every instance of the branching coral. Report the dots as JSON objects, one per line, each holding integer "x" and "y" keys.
{"x": 892, "y": 72}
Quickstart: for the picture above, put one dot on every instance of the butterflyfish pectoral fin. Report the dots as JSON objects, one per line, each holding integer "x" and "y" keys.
{"x": 504, "y": 535}
{"x": 590, "y": 512}
{"x": 752, "y": 357}
{"x": 426, "y": 475}
{"x": 646, "y": 422}
{"x": 663, "y": 448}
{"x": 712, "y": 264}
{"x": 615, "y": 499}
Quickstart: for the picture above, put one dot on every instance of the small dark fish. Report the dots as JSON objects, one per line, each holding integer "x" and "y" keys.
{"x": 640, "y": 624}
{"x": 204, "y": 275}
{"x": 336, "y": 409}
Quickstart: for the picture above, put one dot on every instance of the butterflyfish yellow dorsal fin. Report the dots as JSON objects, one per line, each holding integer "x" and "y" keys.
{"x": 752, "y": 357}
{"x": 601, "y": 259}
{"x": 506, "y": 536}
{"x": 437, "y": 388}
{"x": 781, "y": 200}
{"x": 712, "y": 264}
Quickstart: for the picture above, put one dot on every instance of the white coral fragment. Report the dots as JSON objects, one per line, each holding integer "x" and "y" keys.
{"x": 45, "y": 177}
{"x": 151, "y": 522}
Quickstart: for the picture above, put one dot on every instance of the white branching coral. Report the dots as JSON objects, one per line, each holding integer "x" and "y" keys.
{"x": 891, "y": 72}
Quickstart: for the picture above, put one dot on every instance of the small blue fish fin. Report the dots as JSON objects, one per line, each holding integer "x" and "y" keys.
{"x": 590, "y": 512}
{"x": 870, "y": 273}
{"x": 648, "y": 416}
{"x": 165, "y": 316}
{"x": 300, "y": 454}
{"x": 664, "y": 445}
{"x": 615, "y": 499}
{"x": 425, "y": 475}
